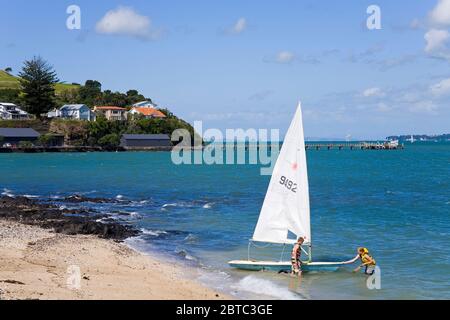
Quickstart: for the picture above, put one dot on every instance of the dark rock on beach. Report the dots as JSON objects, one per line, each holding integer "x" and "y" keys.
{"x": 48, "y": 216}
{"x": 76, "y": 198}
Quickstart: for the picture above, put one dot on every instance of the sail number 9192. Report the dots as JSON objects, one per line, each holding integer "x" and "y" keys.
{"x": 288, "y": 184}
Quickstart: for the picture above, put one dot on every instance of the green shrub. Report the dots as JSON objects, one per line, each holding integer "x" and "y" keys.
{"x": 46, "y": 140}
{"x": 109, "y": 141}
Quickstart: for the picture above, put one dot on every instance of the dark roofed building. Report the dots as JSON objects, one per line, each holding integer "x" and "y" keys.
{"x": 145, "y": 140}
{"x": 14, "y": 136}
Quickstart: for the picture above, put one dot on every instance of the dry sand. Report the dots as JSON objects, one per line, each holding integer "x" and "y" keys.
{"x": 36, "y": 264}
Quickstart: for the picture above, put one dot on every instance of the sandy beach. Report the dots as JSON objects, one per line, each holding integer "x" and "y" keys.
{"x": 36, "y": 263}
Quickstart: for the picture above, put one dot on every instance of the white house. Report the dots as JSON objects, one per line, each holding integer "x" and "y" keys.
{"x": 73, "y": 111}
{"x": 9, "y": 111}
{"x": 144, "y": 104}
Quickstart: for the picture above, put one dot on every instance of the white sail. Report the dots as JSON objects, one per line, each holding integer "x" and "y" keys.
{"x": 286, "y": 206}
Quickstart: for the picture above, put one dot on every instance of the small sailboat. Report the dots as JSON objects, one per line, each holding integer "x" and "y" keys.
{"x": 285, "y": 214}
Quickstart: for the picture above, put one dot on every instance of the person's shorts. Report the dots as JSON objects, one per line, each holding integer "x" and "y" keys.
{"x": 370, "y": 270}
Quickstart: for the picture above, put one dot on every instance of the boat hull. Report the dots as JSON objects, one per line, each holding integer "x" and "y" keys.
{"x": 284, "y": 266}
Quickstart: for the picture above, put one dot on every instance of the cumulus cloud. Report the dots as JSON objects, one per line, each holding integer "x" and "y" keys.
{"x": 441, "y": 88}
{"x": 437, "y": 44}
{"x": 436, "y": 40}
{"x": 237, "y": 28}
{"x": 373, "y": 92}
{"x": 285, "y": 57}
{"x": 127, "y": 22}
{"x": 440, "y": 15}
{"x": 437, "y": 37}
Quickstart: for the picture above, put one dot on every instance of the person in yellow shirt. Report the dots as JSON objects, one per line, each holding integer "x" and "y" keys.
{"x": 367, "y": 261}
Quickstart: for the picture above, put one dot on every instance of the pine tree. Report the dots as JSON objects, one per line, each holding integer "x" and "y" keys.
{"x": 37, "y": 80}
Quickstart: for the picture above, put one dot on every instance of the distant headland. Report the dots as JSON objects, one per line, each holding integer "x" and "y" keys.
{"x": 421, "y": 137}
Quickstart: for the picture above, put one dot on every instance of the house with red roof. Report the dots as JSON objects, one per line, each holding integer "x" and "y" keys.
{"x": 147, "y": 112}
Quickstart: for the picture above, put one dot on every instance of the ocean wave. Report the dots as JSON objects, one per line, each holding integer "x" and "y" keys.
{"x": 155, "y": 233}
{"x": 188, "y": 204}
{"x": 8, "y": 193}
{"x": 124, "y": 214}
{"x": 259, "y": 286}
{"x": 30, "y": 196}
{"x": 208, "y": 205}
{"x": 167, "y": 205}
{"x": 141, "y": 202}
{"x": 87, "y": 192}
{"x": 191, "y": 238}
{"x": 183, "y": 253}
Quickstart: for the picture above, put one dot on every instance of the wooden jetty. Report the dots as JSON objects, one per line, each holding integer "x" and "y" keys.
{"x": 217, "y": 146}
{"x": 313, "y": 146}
{"x": 355, "y": 146}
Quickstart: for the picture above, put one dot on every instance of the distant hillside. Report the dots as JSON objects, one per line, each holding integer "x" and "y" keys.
{"x": 8, "y": 81}
{"x": 421, "y": 137}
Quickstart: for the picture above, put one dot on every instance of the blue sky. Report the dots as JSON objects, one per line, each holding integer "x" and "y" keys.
{"x": 244, "y": 64}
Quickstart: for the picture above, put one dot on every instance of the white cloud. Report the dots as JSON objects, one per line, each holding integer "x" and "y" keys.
{"x": 436, "y": 40}
{"x": 240, "y": 26}
{"x": 440, "y": 15}
{"x": 437, "y": 44}
{"x": 125, "y": 21}
{"x": 373, "y": 92}
{"x": 285, "y": 57}
{"x": 442, "y": 88}
{"x": 237, "y": 28}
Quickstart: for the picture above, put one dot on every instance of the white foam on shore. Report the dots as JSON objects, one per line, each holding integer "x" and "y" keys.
{"x": 8, "y": 193}
{"x": 155, "y": 233}
{"x": 208, "y": 205}
{"x": 190, "y": 238}
{"x": 30, "y": 196}
{"x": 192, "y": 204}
{"x": 170, "y": 205}
{"x": 185, "y": 254}
{"x": 260, "y": 286}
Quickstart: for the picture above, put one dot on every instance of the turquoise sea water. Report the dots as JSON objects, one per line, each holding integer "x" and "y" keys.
{"x": 396, "y": 203}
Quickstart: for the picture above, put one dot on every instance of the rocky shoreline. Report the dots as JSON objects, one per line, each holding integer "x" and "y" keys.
{"x": 65, "y": 221}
